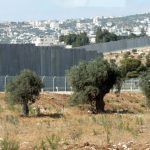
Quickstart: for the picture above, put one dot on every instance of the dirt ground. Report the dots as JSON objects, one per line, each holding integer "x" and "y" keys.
{"x": 54, "y": 124}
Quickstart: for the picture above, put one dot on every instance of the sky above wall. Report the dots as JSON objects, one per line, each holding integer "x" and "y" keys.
{"x": 25, "y": 10}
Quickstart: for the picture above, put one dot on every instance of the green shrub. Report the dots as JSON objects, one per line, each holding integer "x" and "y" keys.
{"x": 12, "y": 119}
{"x": 53, "y": 141}
{"x": 1, "y": 109}
{"x": 7, "y": 144}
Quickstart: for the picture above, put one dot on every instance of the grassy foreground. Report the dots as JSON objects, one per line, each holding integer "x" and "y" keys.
{"x": 55, "y": 125}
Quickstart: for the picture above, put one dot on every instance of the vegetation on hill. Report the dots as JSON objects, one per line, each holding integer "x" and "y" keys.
{"x": 75, "y": 40}
{"x": 131, "y": 67}
{"x": 103, "y": 36}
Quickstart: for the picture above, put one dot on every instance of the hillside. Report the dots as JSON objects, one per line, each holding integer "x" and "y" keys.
{"x": 119, "y": 55}
{"x": 31, "y": 31}
{"x": 126, "y": 124}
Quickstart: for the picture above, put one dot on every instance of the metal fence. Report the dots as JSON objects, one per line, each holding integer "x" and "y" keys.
{"x": 131, "y": 85}
{"x": 56, "y": 84}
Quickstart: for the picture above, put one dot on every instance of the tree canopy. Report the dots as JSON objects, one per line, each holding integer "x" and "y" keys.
{"x": 105, "y": 36}
{"x": 131, "y": 67}
{"x": 24, "y": 88}
{"x": 92, "y": 80}
{"x": 75, "y": 40}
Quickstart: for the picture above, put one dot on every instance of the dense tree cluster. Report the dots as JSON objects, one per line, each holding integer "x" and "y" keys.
{"x": 103, "y": 36}
{"x": 75, "y": 40}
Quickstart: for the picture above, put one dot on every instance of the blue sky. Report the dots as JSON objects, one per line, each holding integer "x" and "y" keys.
{"x": 19, "y": 10}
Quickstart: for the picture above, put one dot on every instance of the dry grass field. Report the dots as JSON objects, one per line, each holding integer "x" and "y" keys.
{"x": 55, "y": 125}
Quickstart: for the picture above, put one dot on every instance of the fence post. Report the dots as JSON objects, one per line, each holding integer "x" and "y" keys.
{"x": 65, "y": 84}
{"x": 139, "y": 85}
{"x": 131, "y": 85}
{"x": 5, "y": 82}
{"x": 42, "y": 90}
{"x": 54, "y": 83}
{"x": 57, "y": 88}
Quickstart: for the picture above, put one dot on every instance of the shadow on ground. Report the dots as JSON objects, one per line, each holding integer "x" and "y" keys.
{"x": 53, "y": 115}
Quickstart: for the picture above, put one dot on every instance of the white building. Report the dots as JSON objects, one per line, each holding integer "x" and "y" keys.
{"x": 65, "y": 32}
{"x": 35, "y": 23}
{"x": 46, "y": 41}
{"x": 68, "y": 46}
{"x": 78, "y": 25}
{"x": 92, "y": 38}
{"x": 109, "y": 24}
{"x": 54, "y": 25}
{"x": 96, "y": 21}
{"x": 137, "y": 30}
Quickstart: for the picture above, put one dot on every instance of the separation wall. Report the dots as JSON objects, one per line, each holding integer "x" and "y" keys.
{"x": 118, "y": 45}
{"x": 45, "y": 61}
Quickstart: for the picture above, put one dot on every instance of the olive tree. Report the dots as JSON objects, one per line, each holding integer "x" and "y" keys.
{"x": 145, "y": 85}
{"x": 92, "y": 80}
{"x": 24, "y": 89}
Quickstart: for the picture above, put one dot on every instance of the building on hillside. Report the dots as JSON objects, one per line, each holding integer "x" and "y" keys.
{"x": 92, "y": 38}
{"x": 54, "y": 25}
{"x": 46, "y": 41}
{"x": 96, "y": 21}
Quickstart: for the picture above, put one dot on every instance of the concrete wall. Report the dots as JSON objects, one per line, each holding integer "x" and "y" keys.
{"x": 46, "y": 61}
{"x": 118, "y": 45}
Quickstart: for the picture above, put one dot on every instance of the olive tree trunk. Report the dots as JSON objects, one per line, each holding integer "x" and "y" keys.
{"x": 100, "y": 104}
{"x": 25, "y": 109}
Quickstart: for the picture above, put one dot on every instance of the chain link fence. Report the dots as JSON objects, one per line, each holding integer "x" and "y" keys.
{"x": 57, "y": 84}
{"x": 131, "y": 85}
